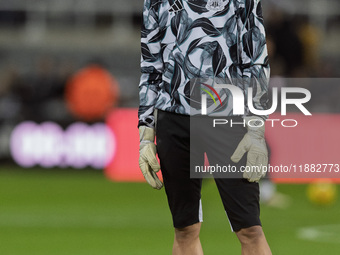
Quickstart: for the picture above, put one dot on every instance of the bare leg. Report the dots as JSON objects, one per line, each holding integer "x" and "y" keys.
{"x": 187, "y": 241}
{"x": 253, "y": 241}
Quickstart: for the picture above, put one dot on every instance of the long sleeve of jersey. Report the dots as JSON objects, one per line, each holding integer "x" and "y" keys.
{"x": 253, "y": 51}
{"x": 151, "y": 63}
{"x": 217, "y": 40}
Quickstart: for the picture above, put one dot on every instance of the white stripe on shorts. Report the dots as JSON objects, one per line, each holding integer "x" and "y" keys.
{"x": 232, "y": 230}
{"x": 200, "y": 212}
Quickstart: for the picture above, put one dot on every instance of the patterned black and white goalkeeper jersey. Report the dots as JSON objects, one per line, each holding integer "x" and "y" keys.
{"x": 185, "y": 39}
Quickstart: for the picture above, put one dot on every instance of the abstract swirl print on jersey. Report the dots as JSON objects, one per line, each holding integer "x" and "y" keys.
{"x": 220, "y": 40}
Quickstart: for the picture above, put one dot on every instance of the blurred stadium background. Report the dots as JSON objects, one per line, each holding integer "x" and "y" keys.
{"x": 69, "y": 181}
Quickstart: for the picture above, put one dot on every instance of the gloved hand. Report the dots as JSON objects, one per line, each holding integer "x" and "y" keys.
{"x": 148, "y": 163}
{"x": 254, "y": 144}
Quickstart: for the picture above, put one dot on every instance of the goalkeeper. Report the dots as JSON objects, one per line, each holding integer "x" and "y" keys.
{"x": 219, "y": 40}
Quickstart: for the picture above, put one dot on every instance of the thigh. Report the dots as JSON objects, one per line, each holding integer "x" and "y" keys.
{"x": 220, "y": 143}
{"x": 173, "y": 148}
{"x": 240, "y": 199}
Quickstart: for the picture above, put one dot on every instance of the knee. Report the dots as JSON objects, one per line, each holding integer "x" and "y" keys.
{"x": 188, "y": 233}
{"x": 250, "y": 235}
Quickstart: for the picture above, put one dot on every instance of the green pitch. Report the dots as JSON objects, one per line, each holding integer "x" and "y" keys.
{"x": 65, "y": 211}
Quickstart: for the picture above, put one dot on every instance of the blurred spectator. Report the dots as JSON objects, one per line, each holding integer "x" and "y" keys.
{"x": 288, "y": 49}
{"x": 41, "y": 91}
{"x": 9, "y": 102}
{"x": 310, "y": 38}
{"x": 37, "y": 88}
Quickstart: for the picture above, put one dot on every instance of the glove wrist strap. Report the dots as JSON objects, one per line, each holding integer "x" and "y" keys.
{"x": 146, "y": 134}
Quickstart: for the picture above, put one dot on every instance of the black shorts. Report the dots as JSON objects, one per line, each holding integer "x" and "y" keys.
{"x": 240, "y": 198}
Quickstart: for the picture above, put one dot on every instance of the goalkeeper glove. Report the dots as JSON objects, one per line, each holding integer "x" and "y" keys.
{"x": 254, "y": 144}
{"x": 147, "y": 157}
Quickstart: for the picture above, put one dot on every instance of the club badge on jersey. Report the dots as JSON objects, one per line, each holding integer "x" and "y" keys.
{"x": 215, "y": 5}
